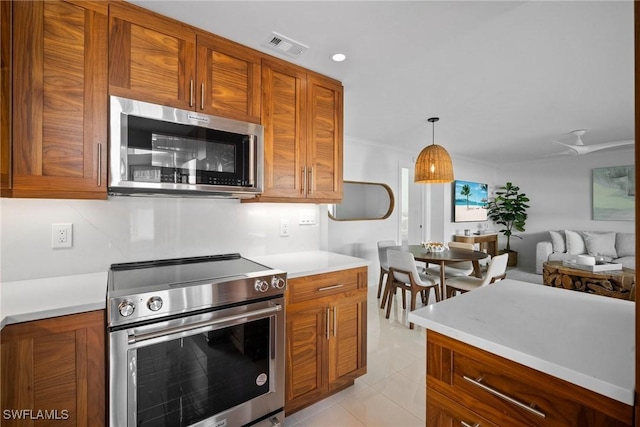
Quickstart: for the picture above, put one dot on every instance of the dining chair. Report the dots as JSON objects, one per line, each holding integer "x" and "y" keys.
{"x": 382, "y": 258}
{"x": 496, "y": 271}
{"x": 454, "y": 269}
{"x": 403, "y": 274}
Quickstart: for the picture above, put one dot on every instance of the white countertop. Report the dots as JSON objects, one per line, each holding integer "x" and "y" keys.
{"x": 587, "y": 340}
{"x": 36, "y": 299}
{"x": 298, "y": 264}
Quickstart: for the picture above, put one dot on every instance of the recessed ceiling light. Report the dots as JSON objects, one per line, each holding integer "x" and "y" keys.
{"x": 338, "y": 57}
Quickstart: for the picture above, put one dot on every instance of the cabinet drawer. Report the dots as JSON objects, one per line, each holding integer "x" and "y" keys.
{"x": 442, "y": 411}
{"x": 322, "y": 285}
{"x": 510, "y": 394}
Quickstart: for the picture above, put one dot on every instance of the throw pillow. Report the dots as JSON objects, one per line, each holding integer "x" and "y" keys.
{"x": 626, "y": 244}
{"x": 600, "y": 243}
{"x": 557, "y": 241}
{"x": 575, "y": 243}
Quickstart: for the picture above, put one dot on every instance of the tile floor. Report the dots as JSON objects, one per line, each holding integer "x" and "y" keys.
{"x": 392, "y": 393}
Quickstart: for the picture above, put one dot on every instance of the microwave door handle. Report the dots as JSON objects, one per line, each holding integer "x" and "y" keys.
{"x": 202, "y": 96}
{"x": 191, "y": 93}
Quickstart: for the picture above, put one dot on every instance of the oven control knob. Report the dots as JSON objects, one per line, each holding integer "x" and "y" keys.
{"x": 154, "y": 303}
{"x": 278, "y": 282}
{"x": 126, "y": 308}
{"x": 262, "y": 285}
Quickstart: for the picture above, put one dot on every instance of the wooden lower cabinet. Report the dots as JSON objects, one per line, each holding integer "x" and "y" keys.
{"x": 54, "y": 371}
{"x": 471, "y": 386}
{"x": 326, "y": 335}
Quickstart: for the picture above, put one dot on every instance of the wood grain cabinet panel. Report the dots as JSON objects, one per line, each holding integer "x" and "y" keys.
{"x": 302, "y": 115}
{"x": 160, "y": 60}
{"x": 228, "y": 79}
{"x": 151, "y": 58}
{"x": 59, "y": 99}
{"x": 490, "y": 386}
{"x": 6, "y": 80}
{"x": 55, "y": 368}
{"x": 326, "y": 336}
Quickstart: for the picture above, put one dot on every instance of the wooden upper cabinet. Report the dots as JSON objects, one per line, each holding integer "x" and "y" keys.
{"x": 163, "y": 61}
{"x": 151, "y": 58}
{"x": 5, "y": 96}
{"x": 324, "y": 153}
{"x": 59, "y": 107}
{"x": 302, "y": 119}
{"x": 283, "y": 118}
{"x": 228, "y": 79}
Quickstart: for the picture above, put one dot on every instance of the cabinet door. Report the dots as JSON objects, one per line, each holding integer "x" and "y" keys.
{"x": 347, "y": 350}
{"x": 443, "y": 412}
{"x": 324, "y": 155}
{"x": 5, "y": 96}
{"x": 151, "y": 58}
{"x": 56, "y": 366}
{"x": 284, "y": 120}
{"x": 228, "y": 79}
{"x": 307, "y": 331}
{"x": 59, "y": 99}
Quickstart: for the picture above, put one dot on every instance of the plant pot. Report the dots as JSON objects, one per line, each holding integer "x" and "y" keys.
{"x": 513, "y": 258}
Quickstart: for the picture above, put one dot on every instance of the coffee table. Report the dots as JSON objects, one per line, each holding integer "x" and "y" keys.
{"x": 615, "y": 283}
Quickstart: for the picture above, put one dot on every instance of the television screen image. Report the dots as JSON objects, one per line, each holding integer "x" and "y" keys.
{"x": 470, "y": 201}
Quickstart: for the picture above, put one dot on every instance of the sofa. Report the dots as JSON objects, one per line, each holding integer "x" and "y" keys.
{"x": 568, "y": 244}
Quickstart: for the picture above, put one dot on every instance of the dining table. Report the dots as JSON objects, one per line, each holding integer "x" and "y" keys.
{"x": 448, "y": 255}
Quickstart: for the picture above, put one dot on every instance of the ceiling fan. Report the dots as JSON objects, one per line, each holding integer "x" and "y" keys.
{"x": 578, "y": 148}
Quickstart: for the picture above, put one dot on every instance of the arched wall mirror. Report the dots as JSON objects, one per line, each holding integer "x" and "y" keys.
{"x": 363, "y": 201}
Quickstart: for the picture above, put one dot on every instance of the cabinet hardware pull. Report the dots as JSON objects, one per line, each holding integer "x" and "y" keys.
{"x": 326, "y": 288}
{"x": 202, "y": 96}
{"x": 503, "y": 396}
{"x": 335, "y": 321}
{"x": 263, "y": 312}
{"x": 304, "y": 180}
{"x": 99, "y": 164}
{"x": 310, "y": 180}
{"x": 191, "y": 93}
{"x": 326, "y": 329}
{"x": 464, "y": 424}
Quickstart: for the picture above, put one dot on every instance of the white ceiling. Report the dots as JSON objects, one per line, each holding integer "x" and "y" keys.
{"x": 505, "y": 77}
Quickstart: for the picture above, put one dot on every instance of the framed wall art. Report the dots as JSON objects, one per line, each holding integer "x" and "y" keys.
{"x": 470, "y": 201}
{"x": 614, "y": 193}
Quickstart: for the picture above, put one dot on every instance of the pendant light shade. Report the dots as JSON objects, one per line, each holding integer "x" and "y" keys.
{"x": 434, "y": 164}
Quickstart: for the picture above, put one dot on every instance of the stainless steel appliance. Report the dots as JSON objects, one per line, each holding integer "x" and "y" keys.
{"x": 196, "y": 342}
{"x": 161, "y": 150}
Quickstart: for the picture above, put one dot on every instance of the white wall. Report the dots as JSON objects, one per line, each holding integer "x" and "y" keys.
{"x": 366, "y": 161}
{"x": 559, "y": 189}
{"x": 124, "y": 229}
{"x": 560, "y": 193}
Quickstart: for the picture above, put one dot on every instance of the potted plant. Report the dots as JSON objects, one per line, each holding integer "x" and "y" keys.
{"x": 509, "y": 208}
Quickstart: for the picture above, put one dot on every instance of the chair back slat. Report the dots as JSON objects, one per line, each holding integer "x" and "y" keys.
{"x": 497, "y": 268}
{"x": 382, "y": 252}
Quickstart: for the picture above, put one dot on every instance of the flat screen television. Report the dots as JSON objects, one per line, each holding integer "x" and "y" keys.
{"x": 470, "y": 201}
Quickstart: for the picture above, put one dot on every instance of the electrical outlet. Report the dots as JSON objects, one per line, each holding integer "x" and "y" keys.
{"x": 61, "y": 235}
{"x": 284, "y": 227}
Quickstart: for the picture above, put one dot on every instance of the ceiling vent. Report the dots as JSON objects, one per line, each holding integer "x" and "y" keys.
{"x": 285, "y": 45}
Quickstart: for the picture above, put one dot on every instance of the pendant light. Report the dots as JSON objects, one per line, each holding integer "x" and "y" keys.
{"x": 434, "y": 163}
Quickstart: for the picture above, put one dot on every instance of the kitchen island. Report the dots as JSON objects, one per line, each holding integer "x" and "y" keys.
{"x": 564, "y": 357}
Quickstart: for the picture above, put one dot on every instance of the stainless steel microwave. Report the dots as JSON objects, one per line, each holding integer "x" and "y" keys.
{"x": 158, "y": 150}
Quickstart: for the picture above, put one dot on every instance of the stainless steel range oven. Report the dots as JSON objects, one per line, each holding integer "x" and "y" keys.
{"x": 196, "y": 342}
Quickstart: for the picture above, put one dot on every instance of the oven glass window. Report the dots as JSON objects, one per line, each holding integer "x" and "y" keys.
{"x": 186, "y": 380}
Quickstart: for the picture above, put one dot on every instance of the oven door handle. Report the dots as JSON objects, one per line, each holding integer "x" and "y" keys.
{"x": 132, "y": 339}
